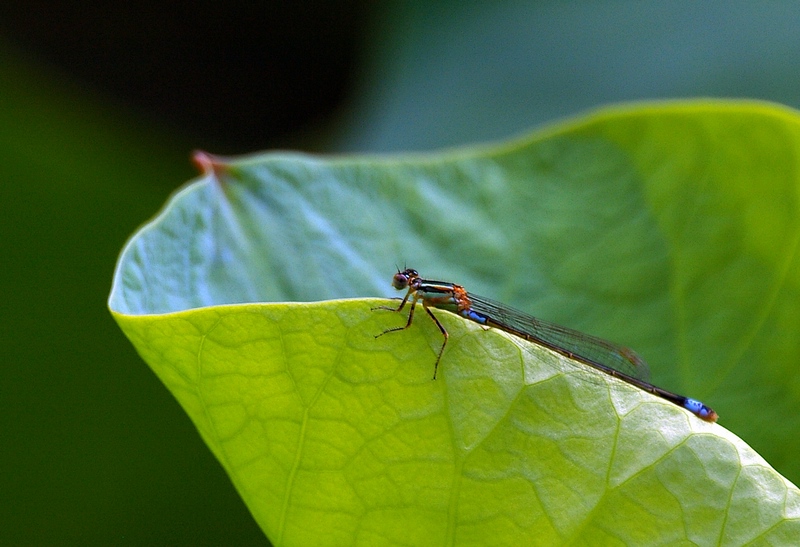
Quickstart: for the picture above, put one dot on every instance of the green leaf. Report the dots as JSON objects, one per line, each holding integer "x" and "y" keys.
{"x": 669, "y": 228}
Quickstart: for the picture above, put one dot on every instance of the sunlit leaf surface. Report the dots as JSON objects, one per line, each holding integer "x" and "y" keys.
{"x": 669, "y": 228}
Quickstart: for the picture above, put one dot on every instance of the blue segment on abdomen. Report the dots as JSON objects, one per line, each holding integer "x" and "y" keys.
{"x": 474, "y": 316}
{"x": 695, "y": 406}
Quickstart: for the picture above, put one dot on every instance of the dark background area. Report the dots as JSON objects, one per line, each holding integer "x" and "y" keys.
{"x": 101, "y": 105}
{"x": 234, "y": 76}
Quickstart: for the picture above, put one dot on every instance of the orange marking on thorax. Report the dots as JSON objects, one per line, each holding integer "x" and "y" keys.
{"x": 461, "y": 297}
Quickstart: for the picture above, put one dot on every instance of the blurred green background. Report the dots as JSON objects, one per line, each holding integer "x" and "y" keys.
{"x": 101, "y": 106}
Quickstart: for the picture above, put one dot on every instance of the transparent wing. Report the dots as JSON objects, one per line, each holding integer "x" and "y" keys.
{"x": 583, "y": 346}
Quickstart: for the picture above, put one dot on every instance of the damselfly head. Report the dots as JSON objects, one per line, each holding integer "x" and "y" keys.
{"x": 402, "y": 280}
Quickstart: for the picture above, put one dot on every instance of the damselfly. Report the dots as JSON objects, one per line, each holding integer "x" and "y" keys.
{"x": 617, "y": 361}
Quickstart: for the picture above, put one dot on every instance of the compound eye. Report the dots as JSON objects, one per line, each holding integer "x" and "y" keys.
{"x": 400, "y": 281}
